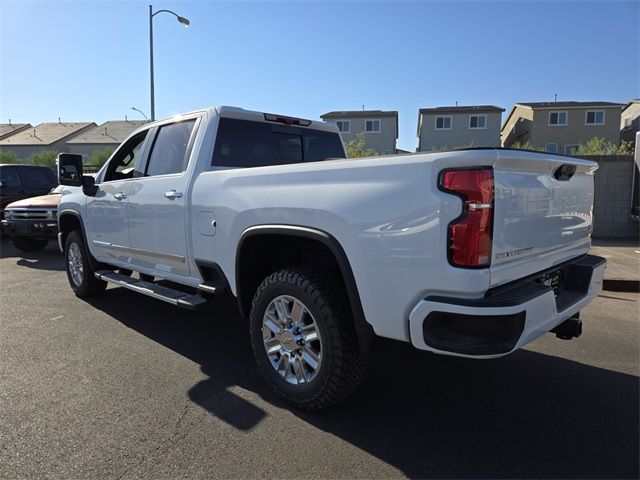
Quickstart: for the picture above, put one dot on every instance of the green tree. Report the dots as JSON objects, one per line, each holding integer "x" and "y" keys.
{"x": 7, "y": 156}
{"x": 625, "y": 148}
{"x": 98, "y": 157}
{"x": 356, "y": 147}
{"x": 597, "y": 146}
{"x": 48, "y": 157}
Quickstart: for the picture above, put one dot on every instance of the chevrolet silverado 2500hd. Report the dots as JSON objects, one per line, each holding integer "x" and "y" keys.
{"x": 470, "y": 253}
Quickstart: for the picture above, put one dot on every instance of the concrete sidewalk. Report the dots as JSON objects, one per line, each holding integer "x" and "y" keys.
{"x": 623, "y": 263}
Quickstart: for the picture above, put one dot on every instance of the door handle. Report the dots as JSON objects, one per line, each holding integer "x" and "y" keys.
{"x": 120, "y": 196}
{"x": 171, "y": 194}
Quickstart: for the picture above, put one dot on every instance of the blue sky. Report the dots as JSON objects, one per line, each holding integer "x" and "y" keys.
{"x": 89, "y": 60}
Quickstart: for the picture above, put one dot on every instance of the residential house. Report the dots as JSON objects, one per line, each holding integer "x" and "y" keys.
{"x": 43, "y": 137}
{"x": 104, "y": 137}
{"x": 630, "y": 120}
{"x": 440, "y": 128}
{"x": 560, "y": 127}
{"x": 8, "y": 129}
{"x": 379, "y": 127}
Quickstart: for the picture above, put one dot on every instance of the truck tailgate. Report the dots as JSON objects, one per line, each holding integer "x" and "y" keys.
{"x": 542, "y": 212}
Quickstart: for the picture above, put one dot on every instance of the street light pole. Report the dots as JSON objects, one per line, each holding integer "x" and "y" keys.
{"x": 153, "y": 100}
{"x": 140, "y": 112}
{"x": 183, "y": 21}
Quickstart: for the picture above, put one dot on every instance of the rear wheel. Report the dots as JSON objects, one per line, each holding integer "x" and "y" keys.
{"x": 26, "y": 244}
{"x": 79, "y": 268}
{"x": 303, "y": 338}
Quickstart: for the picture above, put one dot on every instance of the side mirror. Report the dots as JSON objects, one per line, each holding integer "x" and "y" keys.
{"x": 89, "y": 186}
{"x": 70, "y": 169}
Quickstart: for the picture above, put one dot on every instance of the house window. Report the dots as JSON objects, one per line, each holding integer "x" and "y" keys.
{"x": 477, "y": 121}
{"x": 627, "y": 122}
{"x": 372, "y": 126}
{"x": 344, "y": 126}
{"x": 552, "y": 147}
{"x": 557, "y": 118}
{"x": 571, "y": 149}
{"x": 443, "y": 123}
{"x": 594, "y": 117}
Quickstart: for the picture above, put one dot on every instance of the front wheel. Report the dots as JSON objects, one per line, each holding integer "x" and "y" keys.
{"x": 79, "y": 269}
{"x": 303, "y": 338}
{"x": 26, "y": 244}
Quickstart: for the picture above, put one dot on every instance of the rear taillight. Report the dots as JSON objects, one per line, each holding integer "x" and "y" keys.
{"x": 470, "y": 235}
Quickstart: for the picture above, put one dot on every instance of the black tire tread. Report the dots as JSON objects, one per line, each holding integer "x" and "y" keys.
{"x": 347, "y": 363}
{"x": 91, "y": 286}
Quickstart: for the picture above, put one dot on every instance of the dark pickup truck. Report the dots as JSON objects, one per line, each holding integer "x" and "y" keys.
{"x": 33, "y": 221}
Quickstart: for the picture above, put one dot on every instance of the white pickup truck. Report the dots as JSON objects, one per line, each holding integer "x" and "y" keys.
{"x": 470, "y": 253}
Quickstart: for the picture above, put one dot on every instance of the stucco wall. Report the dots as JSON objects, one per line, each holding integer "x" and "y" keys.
{"x": 460, "y": 134}
{"x": 575, "y": 132}
{"x": 518, "y": 127}
{"x": 383, "y": 142}
{"x": 25, "y": 151}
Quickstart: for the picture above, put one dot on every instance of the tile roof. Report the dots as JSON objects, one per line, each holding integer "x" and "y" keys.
{"x": 8, "y": 129}
{"x": 360, "y": 113}
{"x": 45, "y": 133}
{"x": 568, "y": 104}
{"x": 111, "y": 132}
{"x": 463, "y": 109}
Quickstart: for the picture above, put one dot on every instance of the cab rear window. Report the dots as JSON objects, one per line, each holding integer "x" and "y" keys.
{"x": 243, "y": 143}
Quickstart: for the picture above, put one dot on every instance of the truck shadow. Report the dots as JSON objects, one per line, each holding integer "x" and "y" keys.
{"x": 527, "y": 415}
{"x": 48, "y": 259}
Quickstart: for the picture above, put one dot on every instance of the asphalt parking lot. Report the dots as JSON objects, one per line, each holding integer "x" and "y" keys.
{"x": 125, "y": 386}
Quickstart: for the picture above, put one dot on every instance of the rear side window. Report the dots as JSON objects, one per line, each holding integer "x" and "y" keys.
{"x": 36, "y": 178}
{"x": 9, "y": 177}
{"x": 169, "y": 153}
{"x": 243, "y": 143}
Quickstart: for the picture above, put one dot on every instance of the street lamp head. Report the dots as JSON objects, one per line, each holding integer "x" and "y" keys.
{"x": 185, "y": 22}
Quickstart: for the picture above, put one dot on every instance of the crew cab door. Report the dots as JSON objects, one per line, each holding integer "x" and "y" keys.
{"x": 106, "y": 216}
{"x": 157, "y": 204}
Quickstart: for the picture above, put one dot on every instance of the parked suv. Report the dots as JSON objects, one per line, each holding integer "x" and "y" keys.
{"x": 23, "y": 181}
{"x": 32, "y": 222}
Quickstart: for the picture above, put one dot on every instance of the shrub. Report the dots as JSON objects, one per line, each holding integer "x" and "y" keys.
{"x": 7, "y": 156}
{"x": 99, "y": 157}
{"x": 356, "y": 149}
{"x": 48, "y": 157}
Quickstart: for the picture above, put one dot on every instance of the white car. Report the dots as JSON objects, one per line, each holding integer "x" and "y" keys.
{"x": 470, "y": 253}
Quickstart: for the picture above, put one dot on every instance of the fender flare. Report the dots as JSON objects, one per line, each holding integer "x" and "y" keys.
{"x": 364, "y": 330}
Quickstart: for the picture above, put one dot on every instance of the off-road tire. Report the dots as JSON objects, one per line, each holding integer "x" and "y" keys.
{"x": 26, "y": 244}
{"x": 343, "y": 364}
{"x": 90, "y": 285}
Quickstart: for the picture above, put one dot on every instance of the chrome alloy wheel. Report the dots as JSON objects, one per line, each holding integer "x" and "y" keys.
{"x": 291, "y": 340}
{"x": 74, "y": 257}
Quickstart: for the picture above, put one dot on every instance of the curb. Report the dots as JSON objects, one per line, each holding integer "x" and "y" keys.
{"x": 617, "y": 285}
